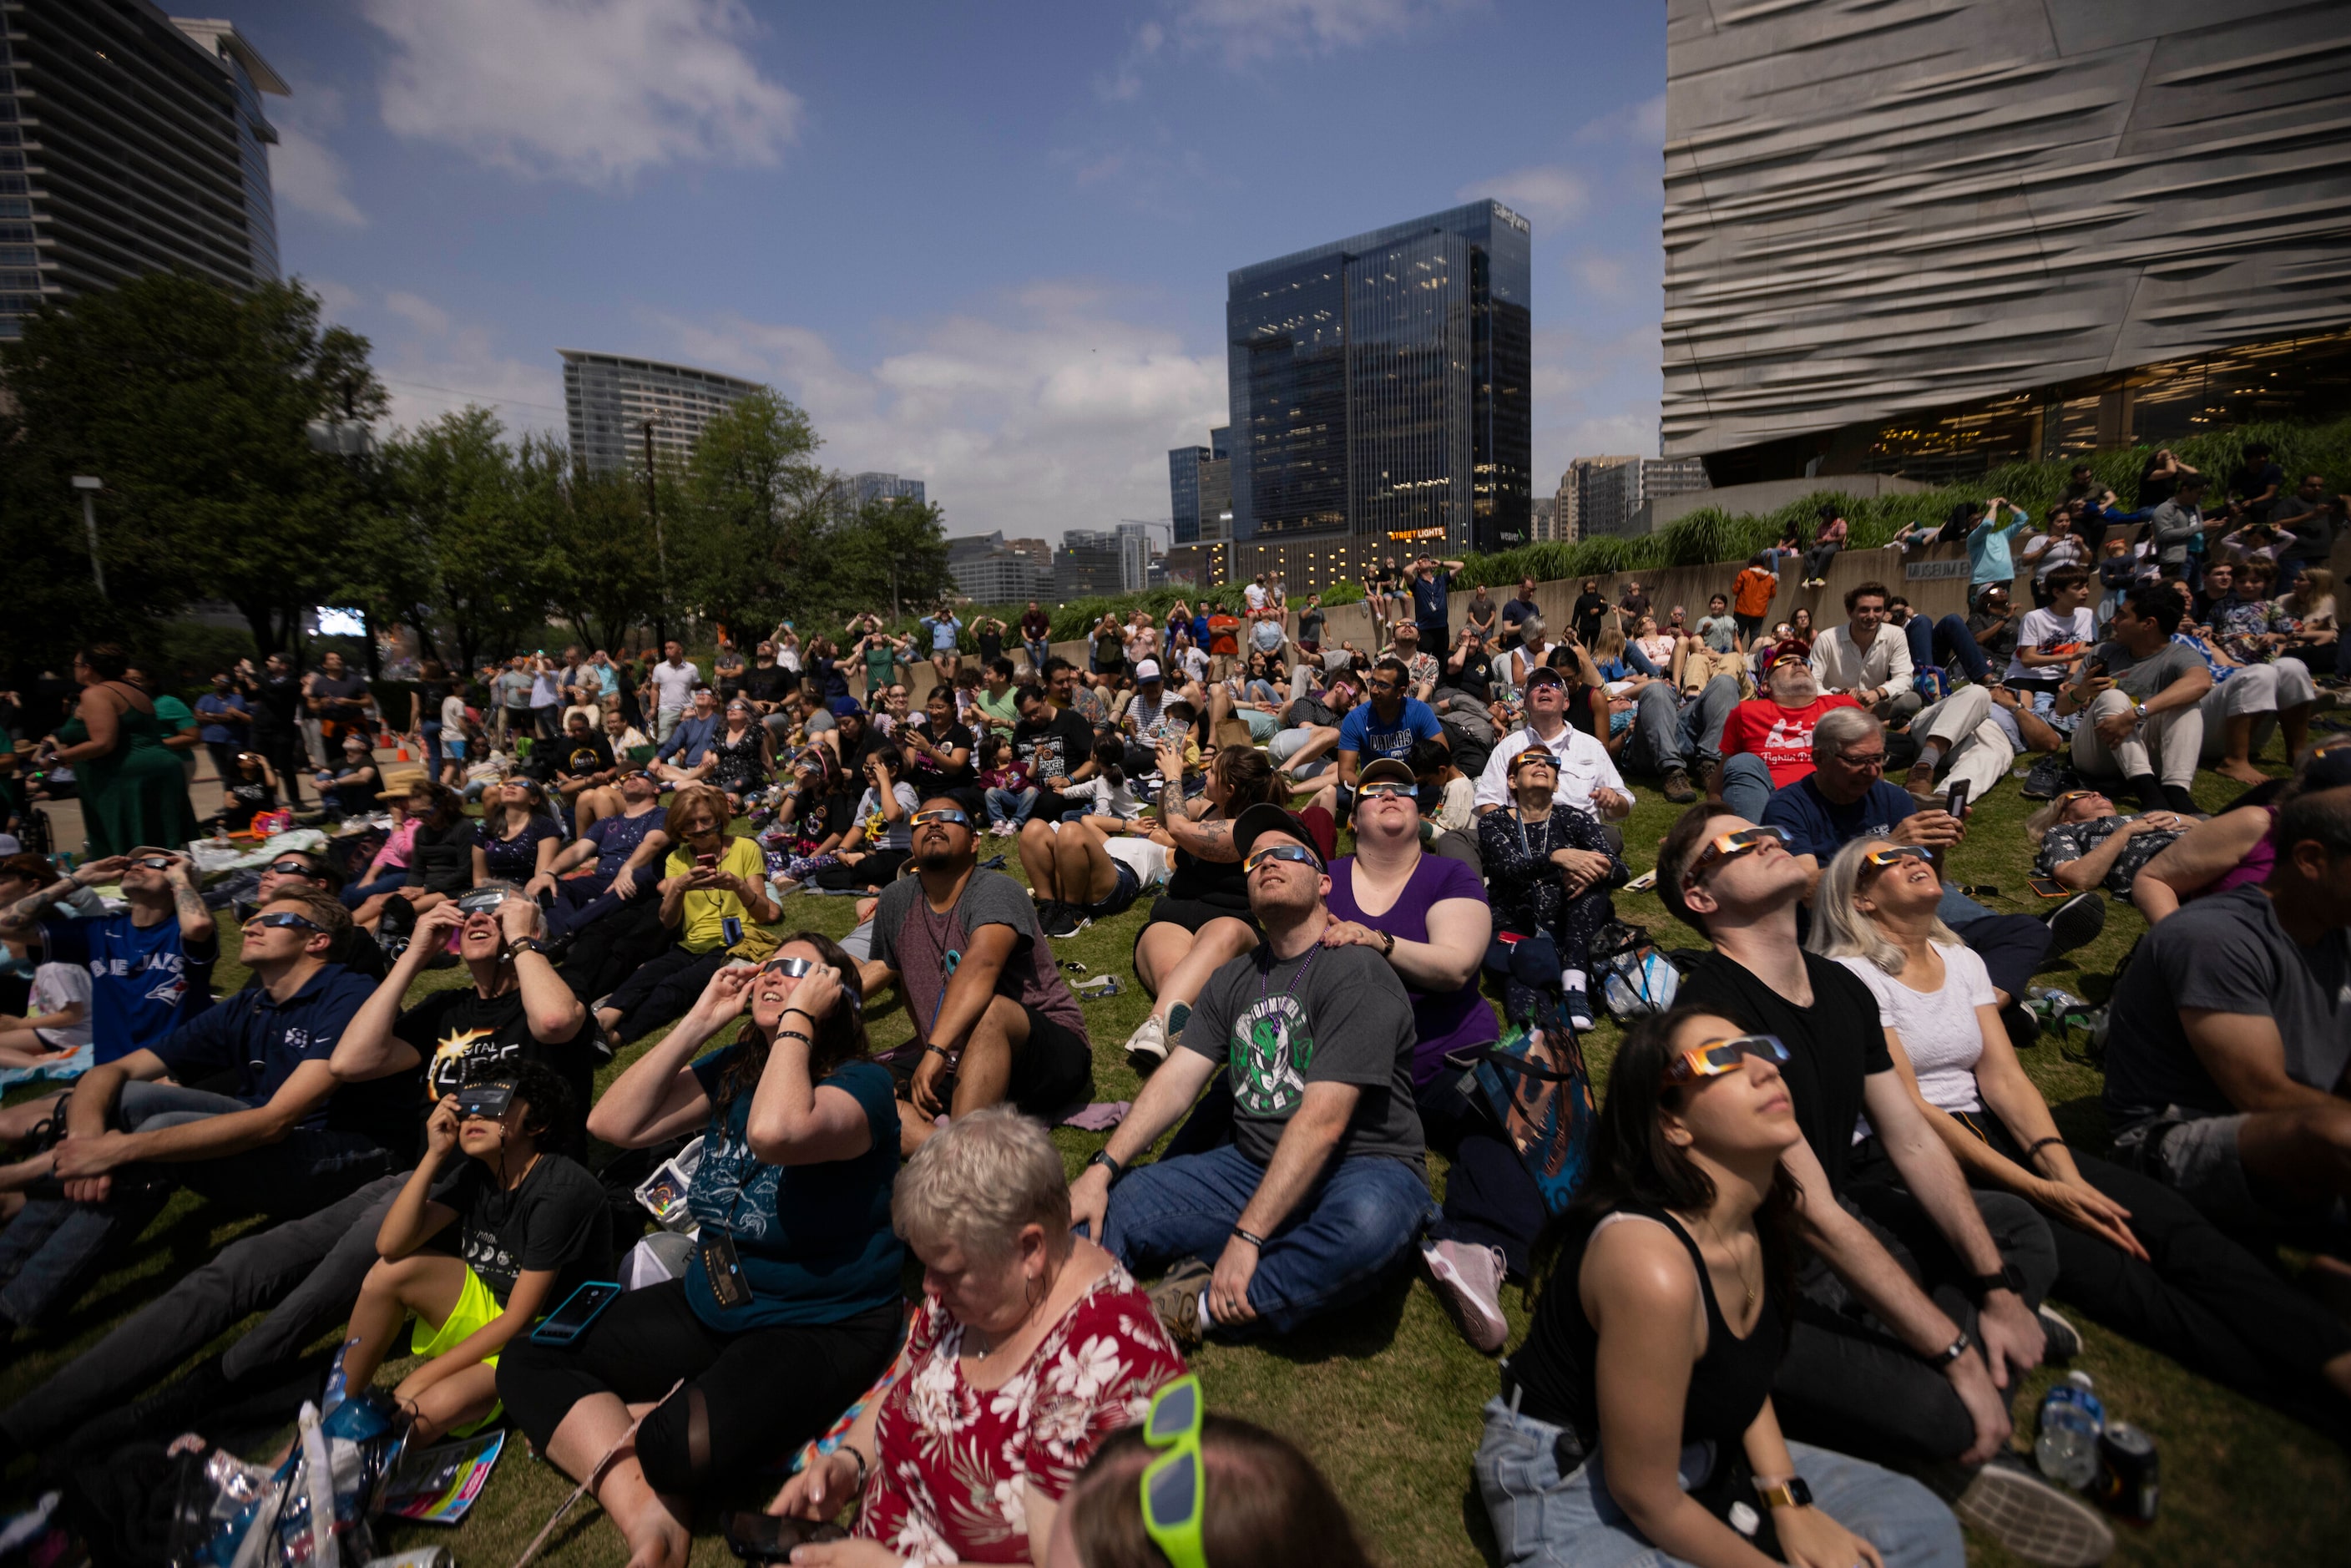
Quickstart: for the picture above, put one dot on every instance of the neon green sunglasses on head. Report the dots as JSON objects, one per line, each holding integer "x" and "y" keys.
{"x": 1175, "y": 1485}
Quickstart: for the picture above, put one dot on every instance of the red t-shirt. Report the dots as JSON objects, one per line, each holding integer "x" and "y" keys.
{"x": 1221, "y": 629}
{"x": 1782, "y": 736}
{"x": 948, "y": 1485}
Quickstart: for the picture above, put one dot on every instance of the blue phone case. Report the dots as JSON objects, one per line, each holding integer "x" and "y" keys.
{"x": 569, "y": 1332}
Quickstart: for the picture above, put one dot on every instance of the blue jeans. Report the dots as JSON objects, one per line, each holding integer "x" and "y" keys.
{"x": 1747, "y": 785}
{"x": 1359, "y": 1222}
{"x": 1643, "y": 664}
{"x": 355, "y": 894}
{"x": 1038, "y": 653}
{"x": 431, "y": 730}
{"x": 1541, "y": 1516}
{"x": 1010, "y": 807}
{"x": 1936, "y": 643}
{"x": 1668, "y": 733}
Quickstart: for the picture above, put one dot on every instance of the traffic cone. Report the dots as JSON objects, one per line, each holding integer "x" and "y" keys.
{"x": 402, "y": 754}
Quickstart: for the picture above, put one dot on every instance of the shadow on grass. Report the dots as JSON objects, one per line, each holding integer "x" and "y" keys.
{"x": 178, "y": 1240}
{"x": 1356, "y": 1332}
{"x": 1477, "y": 1527}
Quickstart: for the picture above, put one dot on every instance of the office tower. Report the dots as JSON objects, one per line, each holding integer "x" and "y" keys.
{"x": 863, "y": 488}
{"x": 1200, "y": 488}
{"x": 1037, "y": 551}
{"x": 1379, "y": 387}
{"x": 989, "y": 571}
{"x": 1133, "y": 556}
{"x": 1086, "y": 565}
{"x": 1565, "y": 517}
{"x": 1542, "y": 519}
{"x": 1216, "y": 487}
{"x": 1988, "y": 232}
{"x": 610, "y": 398}
{"x": 1184, "y": 465}
{"x": 1603, "y": 494}
{"x": 131, "y": 141}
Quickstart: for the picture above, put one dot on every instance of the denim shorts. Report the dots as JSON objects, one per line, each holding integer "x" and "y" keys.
{"x": 2196, "y": 1156}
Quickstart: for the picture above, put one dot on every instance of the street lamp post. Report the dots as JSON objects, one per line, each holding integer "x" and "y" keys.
{"x": 90, "y": 486}
{"x": 661, "y": 544}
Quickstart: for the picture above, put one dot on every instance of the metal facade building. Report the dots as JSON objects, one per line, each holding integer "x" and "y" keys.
{"x": 609, "y": 398}
{"x": 131, "y": 141}
{"x": 1379, "y": 386}
{"x": 1902, "y": 233}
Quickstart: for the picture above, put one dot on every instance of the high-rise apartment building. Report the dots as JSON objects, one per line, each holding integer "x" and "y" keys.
{"x": 131, "y": 141}
{"x": 1542, "y": 520}
{"x": 1610, "y": 494}
{"x": 863, "y": 488}
{"x": 1134, "y": 556}
{"x": 610, "y": 398}
{"x": 1379, "y": 388}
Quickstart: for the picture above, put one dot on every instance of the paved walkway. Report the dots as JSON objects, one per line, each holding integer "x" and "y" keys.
{"x": 66, "y": 830}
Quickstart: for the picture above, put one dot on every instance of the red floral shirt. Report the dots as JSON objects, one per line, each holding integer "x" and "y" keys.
{"x": 955, "y": 1462}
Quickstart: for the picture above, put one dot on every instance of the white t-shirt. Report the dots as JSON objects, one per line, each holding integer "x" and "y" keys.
{"x": 1120, "y": 802}
{"x": 453, "y": 715}
{"x": 673, "y": 685}
{"x": 2044, "y": 632}
{"x": 1940, "y": 1030}
{"x": 56, "y": 987}
{"x": 1253, "y": 596}
{"x": 1195, "y": 663}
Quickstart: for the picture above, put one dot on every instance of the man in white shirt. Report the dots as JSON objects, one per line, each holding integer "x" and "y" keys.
{"x": 1865, "y": 662}
{"x": 2051, "y": 641}
{"x": 1588, "y": 779}
{"x": 1254, "y": 595}
{"x": 674, "y": 680}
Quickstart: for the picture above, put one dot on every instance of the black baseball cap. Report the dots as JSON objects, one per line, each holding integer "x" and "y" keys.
{"x": 1266, "y": 818}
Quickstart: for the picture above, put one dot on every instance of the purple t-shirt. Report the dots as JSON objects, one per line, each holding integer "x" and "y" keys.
{"x": 1442, "y": 1021}
{"x": 617, "y": 838}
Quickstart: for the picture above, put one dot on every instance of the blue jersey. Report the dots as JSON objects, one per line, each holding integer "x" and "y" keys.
{"x": 143, "y": 982}
{"x": 1367, "y": 734}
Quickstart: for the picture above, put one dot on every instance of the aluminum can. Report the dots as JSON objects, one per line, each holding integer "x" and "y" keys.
{"x": 2126, "y": 1472}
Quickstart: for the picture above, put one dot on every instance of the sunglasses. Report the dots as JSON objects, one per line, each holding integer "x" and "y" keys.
{"x": 1175, "y": 1485}
{"x": 292, "y": 868}
{"x": 791, "y": 969}
{"x": 485, "y": 902}
{"x": 942, "y": 814}
{"x": 1298, "y": 852}
{"x": 154, "y": 863}
{"x": 1878, "y": 860}
{"x": 283, "y": 918}
{"x": 1717, "y": 1057}
{"x": 1388, "y": 789}
{"x": 2070, "y": 796}
{"x": 1731, "y": 846}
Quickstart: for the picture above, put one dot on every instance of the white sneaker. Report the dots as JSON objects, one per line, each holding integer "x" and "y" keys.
{"x": 2039, "y": 1522}
{"x": 1146, "y": 1048}
{"x": 1470, "y": 1282}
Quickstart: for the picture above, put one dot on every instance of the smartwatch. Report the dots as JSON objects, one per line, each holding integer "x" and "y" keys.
{"x": 2009, "y": 1278}
{"x": 1794, "y": 1492}
{"x": 1102, "y": 1157}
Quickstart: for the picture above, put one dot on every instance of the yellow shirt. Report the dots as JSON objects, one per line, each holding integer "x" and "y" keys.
{"x": 705, "y": 910}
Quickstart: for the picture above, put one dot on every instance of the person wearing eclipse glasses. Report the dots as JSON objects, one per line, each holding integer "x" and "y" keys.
{"x": 1922, "y": 1298}
{"x": 1323, "y": 1189}
{"x": 994, "y": 1020}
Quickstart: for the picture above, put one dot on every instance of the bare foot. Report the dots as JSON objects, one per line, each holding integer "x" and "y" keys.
{"x": 2241, "y": 771}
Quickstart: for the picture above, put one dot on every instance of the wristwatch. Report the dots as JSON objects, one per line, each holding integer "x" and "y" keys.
{"x": 528, "y": 944}
{"x": 1102, "y": 1157}
{"x": 1387, "y": 943}
{"x": 1794, "y": 1492}
{"x": 2009, "y": 1278}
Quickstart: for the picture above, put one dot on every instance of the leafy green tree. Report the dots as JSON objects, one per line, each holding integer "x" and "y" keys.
{"x": 484, "y": 524}
{"x": 604, "y": 574}
{"x": 751, "y": 514}
{"x": 889, "y": 555}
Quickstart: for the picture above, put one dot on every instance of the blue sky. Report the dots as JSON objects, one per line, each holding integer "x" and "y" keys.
{"x": 984, "y": 245}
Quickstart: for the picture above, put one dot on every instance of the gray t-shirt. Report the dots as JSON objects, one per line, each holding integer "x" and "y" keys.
{"x": 925, "y": 947}
{"x": 2225, "y": 953}
{"x": 1718, "y": 632}
{"x": 2143, "y": 679}
{"x": 1338, "y": 1015}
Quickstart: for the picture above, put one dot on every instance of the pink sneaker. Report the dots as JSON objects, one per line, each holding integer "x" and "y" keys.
{"x": 1468, "y": 1280}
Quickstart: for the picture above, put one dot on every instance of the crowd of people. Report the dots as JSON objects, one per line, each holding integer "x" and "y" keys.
{"x": 1821, "y": 1210}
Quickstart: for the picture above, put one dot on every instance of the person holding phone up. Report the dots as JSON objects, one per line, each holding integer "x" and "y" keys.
{"x": 531, "y": 1226}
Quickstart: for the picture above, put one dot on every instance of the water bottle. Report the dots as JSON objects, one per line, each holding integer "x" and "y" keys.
{"x": 2072, "y": 1417}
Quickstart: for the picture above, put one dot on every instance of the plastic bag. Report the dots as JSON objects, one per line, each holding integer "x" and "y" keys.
{"x": 1636, "y": 979}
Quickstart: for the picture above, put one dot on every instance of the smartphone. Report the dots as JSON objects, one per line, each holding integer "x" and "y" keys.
{"x": 764, "y": 1538}
{"x": 706, "y": 862}
{"x": 2046, "y": 888}
{"x": 579, "y": 1308}
{"x": 1956, "y": 802}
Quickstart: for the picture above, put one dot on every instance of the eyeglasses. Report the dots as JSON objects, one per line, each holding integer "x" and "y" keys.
{"x": 1298, "y": 852}
{"x": 792, "y": 969}
{"x": 1717, "y": 1057}
{"x": 1731, "y": 846}
{"x": 283, "y": 918}
{"x": 1872, "y": 760}
{"x": 1175, "y": 1485}
{"x": 1878, "y": 860}
{"x": 292, "y": 868}
{"x": 941, "y": 814}
{"x": 1388, "y": 789}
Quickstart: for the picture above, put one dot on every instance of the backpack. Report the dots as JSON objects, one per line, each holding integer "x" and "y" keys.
{"x": 1535, "y": 1083}
{"x": 1636, "y": 979}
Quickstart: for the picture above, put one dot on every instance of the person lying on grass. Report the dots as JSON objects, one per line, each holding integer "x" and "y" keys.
{"x": 527, "y": 1226}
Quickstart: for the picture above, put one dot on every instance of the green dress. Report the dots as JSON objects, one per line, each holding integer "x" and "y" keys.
{"x": 136, "y": 794}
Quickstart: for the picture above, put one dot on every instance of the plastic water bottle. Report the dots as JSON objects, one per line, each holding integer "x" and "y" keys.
{"x": 2072, "y": 1417}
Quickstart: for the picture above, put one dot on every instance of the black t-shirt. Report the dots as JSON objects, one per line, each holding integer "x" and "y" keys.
{"x": 927, "y": 778}
{"x": 275, "y": 701}
{"x": 1833, "y": 1045}
{"x": 767, "y": 682}
{"x": 460, "y": 1030}
{"x": 991, "y": 644}
{"x": 578, "y": 757}
{"x": 1476, "y": 675}
{"x": 1055, "y": 748}
{"x": 1589, "y": 609}
{"x": 340, "y": 696}
{"x": 557, "y": 1220}
{"x": 442, "y": 859}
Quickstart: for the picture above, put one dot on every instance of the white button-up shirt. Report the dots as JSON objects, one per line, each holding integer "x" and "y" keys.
{"x": 1585, "y": 769}
{"x": 1885, "y": 666}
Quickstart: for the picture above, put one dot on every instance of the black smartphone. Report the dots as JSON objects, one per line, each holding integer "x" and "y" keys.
{"x": 1955, "y": 801}
{"x": 579, "y": 1308}
{"x": 764, "y": 1538}
{"x": 2046, "y": 888}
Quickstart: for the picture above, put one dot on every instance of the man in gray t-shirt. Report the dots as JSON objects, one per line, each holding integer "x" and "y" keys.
{"x": 2140, "y": 696}
{"x": 2229, "y": 1033}
{"x": 1322, "y": 1190}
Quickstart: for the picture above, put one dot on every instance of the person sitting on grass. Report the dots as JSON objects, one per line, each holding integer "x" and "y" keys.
{"x": 440, "y": 860}
{"x": 531, "y": 1226}
{"x": 1549, "y": 869}
{"x": 1076, "y": 874}
{"x": 1051, "y": 1339}
{"x": 1641, "y": 1423}
{"x": 2238, "y": 846}
{"x": 616, "y": 848}
{"x": 2131, "y": 1252}
{"x": 710, "y": 878}
{"x": 1323, "y": 1189}
{"x": 2140, "y": 696}
{"x": 790, "y": 1306}
{"x": 994, "y": 1020}
{"x": 584, "y": 763}
{"x": 2084, "y": 842}
{"x": 56, "y": 1020}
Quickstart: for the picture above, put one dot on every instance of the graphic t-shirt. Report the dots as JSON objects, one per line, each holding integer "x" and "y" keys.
{"x": 617, "y": 838}
{"x": 1338, "y": 1014}
{"x": 2046, "y": 631}
{"x": 144, "y": 983}
{"x": 557, "y": 1220}
{"x": 814, "y": 1240}
{"x": 461, "y": 1034}
{"x": 1782, "y": 736}
{"x": 703, "y": 915}
{"x": 578, "y": 756}
{"x": 926, "y": 946}
{"x": 2071, "y": 840}
{"x": 1054, "y": 750}
{"x": 1368, "y": 735}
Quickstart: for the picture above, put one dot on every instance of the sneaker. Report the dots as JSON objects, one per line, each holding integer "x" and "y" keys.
{"x": 2076, "y": 922}
{"x": 2064, "y": 1340}
{"x": 1678, "y": 787}
{"x": 2047, "y": 778}
{"x": 1146, "y": 1048}
{"x": 1468, "y": 1282}
{"x": 2039, "y": 1522}
{"x": 1063, "y": 921}
{"x": 1176, "y": 1300}
{"x": 1577, "y": 1009}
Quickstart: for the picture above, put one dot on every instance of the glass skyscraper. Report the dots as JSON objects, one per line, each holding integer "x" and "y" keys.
{"x": 1379, "y": 386}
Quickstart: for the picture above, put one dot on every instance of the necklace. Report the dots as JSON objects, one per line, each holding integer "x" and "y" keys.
{"x": 1749, "y": 1305}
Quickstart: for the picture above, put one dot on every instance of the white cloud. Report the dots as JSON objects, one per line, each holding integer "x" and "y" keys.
{"x": 1609, "y": 277}
{"x": 1246, "y": 31}
{"x": 418, "y": 312}
{"x": 1643, "y": 124}
{"x": 304, "y": 172}
{"x": 1053, "y": 413}
{"x": 433, "y": 363}
{"x": 594, "y": 92}
{"x": 1126, "y": 83}
{"x": 1545, "y": 193}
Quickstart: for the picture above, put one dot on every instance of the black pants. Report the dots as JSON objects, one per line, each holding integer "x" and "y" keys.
{"x": 1845, "y": 1383}
{"x": 605, "y": 954}
{"x": 1490, "y": 1197}
{"x": 663, "y": 988}
{"x": 284, "y": 751}
{"x": 749, "y": 1397}
{"x": 879, "y": 868}
{"x": 2013, "y": 948}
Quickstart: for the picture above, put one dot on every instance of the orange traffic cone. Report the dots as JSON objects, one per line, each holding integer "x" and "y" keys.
{"x": 403, "y": 756}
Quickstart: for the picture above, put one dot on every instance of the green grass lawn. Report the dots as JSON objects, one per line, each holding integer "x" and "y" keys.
{"x": 1386, "y": 1396}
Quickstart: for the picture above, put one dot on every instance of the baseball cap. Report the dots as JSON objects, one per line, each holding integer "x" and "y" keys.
{"x": 1544, "y": 675}
{"x": 1385, "y": 770}
{"x": 1266, "y": 818}
{"x": 843, "y": 706}
{"x": 1146, "y": 670}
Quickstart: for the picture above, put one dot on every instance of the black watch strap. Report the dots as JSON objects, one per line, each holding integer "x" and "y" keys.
{"x": 1951, "y": 1352}
{"x": 1102, "y": 1157}
{"x": 2009, "y": 1278}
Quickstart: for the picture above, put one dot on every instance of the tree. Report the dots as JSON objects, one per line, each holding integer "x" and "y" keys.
{"x": 192, "y": 402}
{"x": 605, "y": 576}
{"x": 751, "y": 512}
{"x": 484, "y": 523}
{"x": 888, "y": 552}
